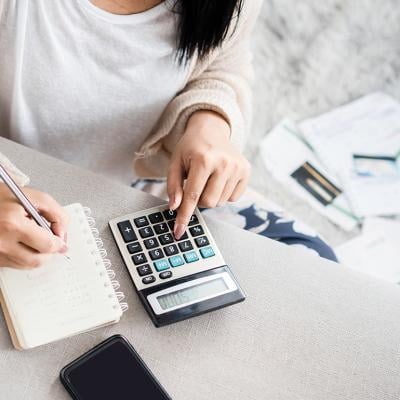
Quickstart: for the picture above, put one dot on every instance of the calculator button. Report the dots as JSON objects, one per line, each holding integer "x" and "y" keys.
{"x": 156, "y": 254}
{"x": 207, "y": 252}
{"x": 202, "y": 241}
{"x": 127, "y": 232}
{"x": 161, "y": 265}
{"x": 139, "y": 259}
{"x": 176, "y": 261}
{"x": 171, "y": 250}
{"x": 169, "y": 214}
{"x": 165, "y": 275}
{"x": 166, "y": 239}
{"x": 148, "y": 279}
{"x": 196, "y": 231}
{"x": 144, "y": 270}
{"x": 146, "y": 232}
{"x": 161, "y": 228}
{"x": 141, "y": 222}
{"x": 191, "y": 257}
{"x": 171, "y": 224}
{"x": 193, "y": 220}
{"x": 156, "y": 218}
{"x": 134, "y": 248}
{"x": 151, "y": 243}
{"x": 185, "y": 246}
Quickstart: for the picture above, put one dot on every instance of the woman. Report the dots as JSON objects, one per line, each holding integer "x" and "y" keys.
{"x": 95, "y": 82}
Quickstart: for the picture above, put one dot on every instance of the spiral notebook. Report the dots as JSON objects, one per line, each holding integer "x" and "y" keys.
{"x": 63, "y": 298}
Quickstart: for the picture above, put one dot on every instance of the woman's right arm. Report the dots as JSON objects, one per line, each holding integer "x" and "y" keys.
{"x": 23, "y": 244}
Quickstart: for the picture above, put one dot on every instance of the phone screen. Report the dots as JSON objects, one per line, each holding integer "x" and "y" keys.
{"x": 112, "y": 371}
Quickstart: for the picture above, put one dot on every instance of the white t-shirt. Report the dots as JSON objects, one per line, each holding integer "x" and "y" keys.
{"x": 85, "y": 85}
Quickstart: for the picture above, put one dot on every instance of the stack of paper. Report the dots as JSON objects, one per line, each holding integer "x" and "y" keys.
{"x": 360, "y": 144}
{"x": 346, "y": 164}
{"x": 291, "y": 162}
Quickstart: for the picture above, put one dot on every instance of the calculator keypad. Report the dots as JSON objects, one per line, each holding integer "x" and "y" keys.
{"x": 153, "y": 249}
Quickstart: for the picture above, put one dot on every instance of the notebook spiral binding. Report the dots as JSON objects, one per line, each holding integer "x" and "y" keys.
{"x": 107, "y": 263}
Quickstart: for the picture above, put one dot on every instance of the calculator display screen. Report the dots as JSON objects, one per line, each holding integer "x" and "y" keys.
{"x": 192, "y": 293}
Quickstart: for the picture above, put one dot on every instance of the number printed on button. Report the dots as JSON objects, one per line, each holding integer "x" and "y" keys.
{"x": 156, "y": 254}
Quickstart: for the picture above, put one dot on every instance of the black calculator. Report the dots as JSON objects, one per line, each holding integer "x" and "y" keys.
{"x": 175, "y": 279}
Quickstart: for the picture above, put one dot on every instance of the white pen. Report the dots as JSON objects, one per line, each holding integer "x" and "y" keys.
{"x": 24, "y": 201}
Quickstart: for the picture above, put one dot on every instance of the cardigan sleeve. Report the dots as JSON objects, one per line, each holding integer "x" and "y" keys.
{"x": 222, "y": 84}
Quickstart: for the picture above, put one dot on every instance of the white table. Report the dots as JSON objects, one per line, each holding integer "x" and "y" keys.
{"x": 309, "y": 329}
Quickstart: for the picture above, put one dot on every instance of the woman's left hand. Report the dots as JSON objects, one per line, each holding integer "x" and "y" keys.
{"x": 215, "y": 170}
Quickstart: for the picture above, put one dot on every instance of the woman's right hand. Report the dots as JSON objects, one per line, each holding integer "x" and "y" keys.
{"x": 23, "y": 243}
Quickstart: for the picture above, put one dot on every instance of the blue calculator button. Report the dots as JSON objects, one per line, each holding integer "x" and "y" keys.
{"x": 161, "y": 265}
{"x": 207, "y": 252}
{"x": 176, "y": 261}
{"x": 191, "y": 256}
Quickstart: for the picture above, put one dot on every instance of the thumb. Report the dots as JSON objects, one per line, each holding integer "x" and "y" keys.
{"x": 175, "y": 183}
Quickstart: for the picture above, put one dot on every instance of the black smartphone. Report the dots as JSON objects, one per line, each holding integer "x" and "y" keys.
{"x": 111, "y": 370}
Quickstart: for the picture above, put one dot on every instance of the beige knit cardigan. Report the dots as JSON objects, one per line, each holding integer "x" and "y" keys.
{"x": 220, "y": 83}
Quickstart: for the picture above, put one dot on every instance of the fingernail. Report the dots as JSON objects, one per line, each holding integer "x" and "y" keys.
{"x": 171, "y": 202}
{"x": 179, "y": 230}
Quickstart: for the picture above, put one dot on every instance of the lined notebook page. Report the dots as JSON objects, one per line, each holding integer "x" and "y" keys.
{"x": 61, "y": 298}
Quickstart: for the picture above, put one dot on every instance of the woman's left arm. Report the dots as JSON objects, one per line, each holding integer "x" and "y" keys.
{"x": 202, "y": 131}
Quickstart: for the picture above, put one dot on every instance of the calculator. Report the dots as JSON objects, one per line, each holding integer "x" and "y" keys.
{"x": 175, "y": 279}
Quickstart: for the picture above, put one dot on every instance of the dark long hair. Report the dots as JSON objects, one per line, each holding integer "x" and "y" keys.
{"x": 204, "y": 24}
